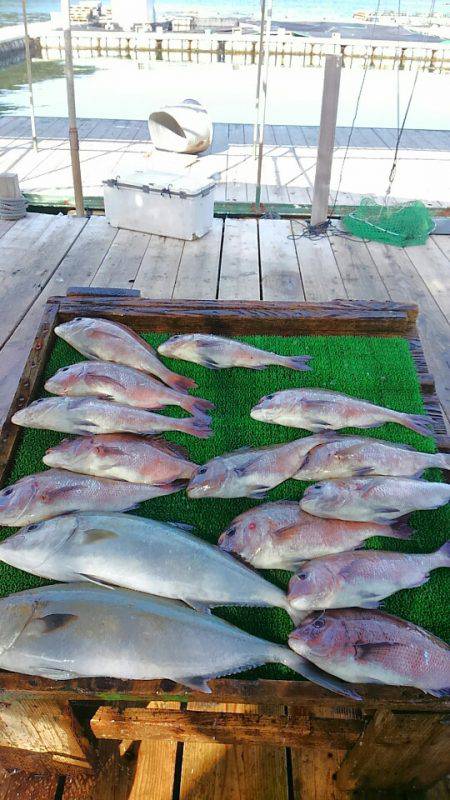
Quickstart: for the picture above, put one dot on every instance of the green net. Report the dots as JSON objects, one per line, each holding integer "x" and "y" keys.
{"x": 401, "y": 225}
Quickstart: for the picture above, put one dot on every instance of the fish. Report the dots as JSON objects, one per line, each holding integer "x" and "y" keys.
{"x": 102, "y": 340}
{"x": 361, "y": 579}
{"x": 369, "y": 646}
{"x": 356, "y": 456}
{"x": 159, "y": 558}
{"x": 109, "y": 381}
{"x": 281, "y": 536}
{"x": 319, "y": 410}
{"x": 373, "y": 499}
{"x": 250, "y": 471}
{"x": 217, "y": 352}
{"x": 88, "y": 415}
{"x": 122, "y": 456}
{"x": 58, "y": 491}
{"x": 77, "y": 630}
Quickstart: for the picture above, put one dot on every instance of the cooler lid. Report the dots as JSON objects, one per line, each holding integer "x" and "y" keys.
{"x": 163, "y": 183}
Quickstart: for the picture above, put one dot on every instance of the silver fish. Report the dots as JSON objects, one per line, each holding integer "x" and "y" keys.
{"x": 122, "y": 384}
{"x": 102, "y": 340}
{"x": 216, "y": 352}
{"x": 361, "y": 579}
{"x": 58, "y": 491}
{"x": 86, "y": 415}
{"x": 321, "y": 410}
{"x": 142, "y": 554}
{"x": 356, "y": 456}
{"x": 76, "y": 630}
{"x": 138, "y": 459}
{"x": 281, "y": 536}
{"x": 250, "y": 472}
{"x": 364, "y": 646}
{"x": 373, "y": 499}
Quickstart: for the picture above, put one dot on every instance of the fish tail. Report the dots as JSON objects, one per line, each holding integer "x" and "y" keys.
{"x": 418, "y": 423}
{"x": 441, "y": 558}
{"x": 283, "y": 655}
{"x": 196, "y": 405}
{"x": 178, "y": 382}
{"x": 196, "y": 426}
{"x": 441, "y": 460}
{"x": 296, "y": 362}
{"x": 444, "y": 691}
{"x": 399, "y": 530}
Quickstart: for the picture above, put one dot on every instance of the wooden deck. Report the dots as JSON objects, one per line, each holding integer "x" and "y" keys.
{"x": 110, "y": 147}
{"x": 42, "y": 255}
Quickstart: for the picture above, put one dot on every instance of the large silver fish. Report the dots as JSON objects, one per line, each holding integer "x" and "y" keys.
{"x": 122, "y": 456}
{"x": 76, "y": 630}
{"x": 356, "y": 456}
{"x": 250, "y": 471}
{"x": 373, "y": 499}
{"x": 85, "y": 415}
{"x": 102, "y": 340}
{"x": 110, "y": 381}
{"x": 281, "y": 536}
{"x": 321, "y": 410}
{"x": 141, "y": 554}
{"x": 58, "y": 491}
{"x": 364, "y": 646}
{"x": 361, "y": 579}
{"x": 216, "y": 352}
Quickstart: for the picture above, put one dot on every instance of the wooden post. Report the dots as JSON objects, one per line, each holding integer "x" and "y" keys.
{"x": 29, "y": 75}
{"x": 328, "y": 116}
{"x": 73, "y": 131}
{"x": 266, "y": 27}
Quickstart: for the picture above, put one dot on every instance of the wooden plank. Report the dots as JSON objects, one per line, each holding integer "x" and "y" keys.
{"x": 280, "y": 273}
{"x": 239, "y": 269}
{"x": 199, "y": 266}
{"x": 216, "y": 772}
{"x": 433, "y": 267}
{"x": 313, "y": 774}
{"x": 159, "y": 267}
{"x": 328, "y": 116}
{"x": 155, "y": 767}
{"x": 111, "y": 781}
{"x": 122, "y": 261}
{"x": 19, "y": 785}
{"x": 320, "y": 274}
{"x": 43, "y": 735}
{"x": 33, "y": 267}
{"x": 358, "y": 270}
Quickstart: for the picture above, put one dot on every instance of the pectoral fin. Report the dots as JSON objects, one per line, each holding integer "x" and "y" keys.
{"x": 197, "y": 684}
{"x": 198, "y": 606}
{"x": 98, "y": 581}
{"x": 96, "y": 535}
{"x": 49, "y": 623}
{"x": 378, "y": 651}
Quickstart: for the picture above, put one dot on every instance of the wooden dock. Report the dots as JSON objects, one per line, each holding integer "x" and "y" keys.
{"x": 111, "y": 147}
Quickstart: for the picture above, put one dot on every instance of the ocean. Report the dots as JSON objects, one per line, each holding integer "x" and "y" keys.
{"x": 296, "y": 10}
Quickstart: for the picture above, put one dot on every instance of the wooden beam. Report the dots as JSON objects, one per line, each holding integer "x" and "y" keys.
{"x": 227, "y": 728}
{"x": 328, "y": 117}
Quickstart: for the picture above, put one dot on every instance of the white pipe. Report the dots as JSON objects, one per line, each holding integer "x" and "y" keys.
{"x": 258, "y": 79}
{"x": 262, "y": 111}
{"x": 29, "y": 75}
{"x": 73, "y": 131}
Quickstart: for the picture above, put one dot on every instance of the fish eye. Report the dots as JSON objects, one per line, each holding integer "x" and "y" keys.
{"x": 64, "y": 369}
{"x": 77, "y": 319}
{"x": 319, "y": 623}
{"x": 303, "y": 576}
{"x": 33, "y": 526}
{"x": 231, "y": 531}
{"x": 201, "y": 471}
{"x": 7, "y": 492}
{"x": 270, "y": 396}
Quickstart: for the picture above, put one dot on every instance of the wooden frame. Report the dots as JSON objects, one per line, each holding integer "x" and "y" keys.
{"x": 313, "y": 717}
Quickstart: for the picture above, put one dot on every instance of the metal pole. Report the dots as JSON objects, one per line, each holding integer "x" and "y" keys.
{"x": 328, "y": 117}
{"x": 258, "y": 79}
{"x": 73, "y": 131}
{"x": 29, "y": 75}
{"x": 262, "y": 112}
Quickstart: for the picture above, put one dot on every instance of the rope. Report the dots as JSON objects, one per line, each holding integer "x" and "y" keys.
{"x": 13, "y": 208}
{"x": 399, "y": 138}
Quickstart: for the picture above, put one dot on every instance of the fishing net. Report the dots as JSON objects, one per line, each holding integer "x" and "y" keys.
{"x": 401, "y": 225}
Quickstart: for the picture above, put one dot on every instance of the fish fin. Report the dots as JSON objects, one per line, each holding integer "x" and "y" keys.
{"x": 103, "y": 450}
{"x": 376, "y": 650}
{"x": 183, "y": 526}
{"x": 55, "y": 674}
{"x": 443, "y": 554}
{"x": 418, "y": 423}
{"x": 259, "y": 494}
{"x": 444, "y": 692}
{"x": 49, "y": 494}
{"x": 400, "y": 530}
{"x": 297, "y": 362}
{"x": 169, "y": 447}
{"x": 208, "y": 363}
{"x": 196, "y": 684}
{"x": 246, "y": 468}
{"x": 87, "y": 428}
{"x": 362, "y": 472}
{"x": 49, "y": 623}
{"x": 370, "y": 604}
{"x": 321, "y": 424}
{"x": 388, "y": 510}
{"x": 308, "y": 670}
{"x": 97, "y": 581}
{"x": 257, "y": 366}
{"x": 420, "y": 582}
{"x": 286, "y": 533}
{"x": 92, "y": 379}
{"x": 97, "y": 535}
{"x": 198, "y": 606}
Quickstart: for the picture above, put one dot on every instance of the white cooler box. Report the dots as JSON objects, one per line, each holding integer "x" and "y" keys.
{"x": 178, "y": 206}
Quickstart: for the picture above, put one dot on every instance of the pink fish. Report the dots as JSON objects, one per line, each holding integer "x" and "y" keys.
{"x": 125, "y": 457}
{"x": 321, "y": 410}
{"x": 85, "y": 415}
{"x": 281, "y": 536}
{"x": 57, "y": 491}
{"x": 109, "y": 381}
{"x": 361, "y": 579}
{"x": 102, "y": 340}
{"x": 356, "y": 456}
{"x": 216, "y": 352}
{"x": 364, "y": 646}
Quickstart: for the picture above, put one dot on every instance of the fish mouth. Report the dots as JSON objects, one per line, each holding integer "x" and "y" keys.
{"x": 195, "y": 491}
{"x": 224, "y": 540}
{"x": 257, "y": 412}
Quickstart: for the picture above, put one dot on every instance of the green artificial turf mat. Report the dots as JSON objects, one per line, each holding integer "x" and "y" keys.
{"x": 380, "y": 370}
